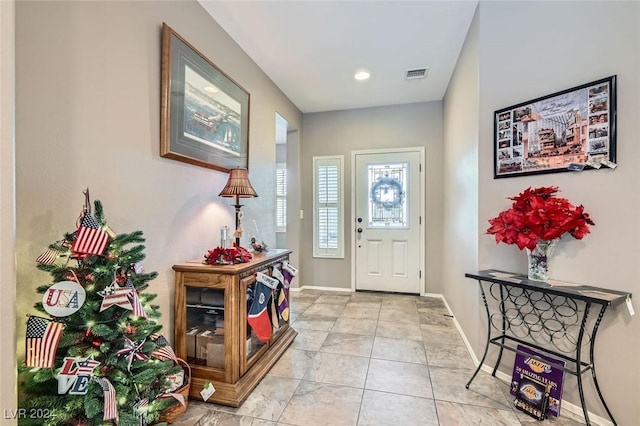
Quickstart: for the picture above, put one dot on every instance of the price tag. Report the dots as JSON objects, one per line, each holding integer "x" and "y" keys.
{"x": 207, "y": 391}
{"x": 630, "y": 306}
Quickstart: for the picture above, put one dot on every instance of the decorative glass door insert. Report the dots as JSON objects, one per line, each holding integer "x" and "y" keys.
{"x": 387, "y": 195}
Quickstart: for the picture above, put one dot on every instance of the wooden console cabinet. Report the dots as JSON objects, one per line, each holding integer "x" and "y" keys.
{"x": 211, "y": 329}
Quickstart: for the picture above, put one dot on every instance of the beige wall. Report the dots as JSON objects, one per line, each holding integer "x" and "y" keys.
{"x": 460, "y": 225}
{"x": 526, "y": 50}
{"x": 88, "y": 115}
{"x": 294, "y": 188}
{"x": 7, "y": 213}
{"x": 340, "y": 133}
{"x": 88, "y": 88}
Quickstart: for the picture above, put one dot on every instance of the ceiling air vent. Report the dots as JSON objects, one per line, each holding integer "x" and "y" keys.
{"x": 416, "y": 73}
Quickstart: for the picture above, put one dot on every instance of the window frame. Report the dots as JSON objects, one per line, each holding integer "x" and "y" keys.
{"x": 279, "y": 167}
{"x": 325, "y": 161}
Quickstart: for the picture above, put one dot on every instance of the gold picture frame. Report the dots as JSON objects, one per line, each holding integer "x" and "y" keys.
{"x": 204, "y": 113}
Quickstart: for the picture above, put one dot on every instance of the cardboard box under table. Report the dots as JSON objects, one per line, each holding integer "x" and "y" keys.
{"x": 210, "y": 347}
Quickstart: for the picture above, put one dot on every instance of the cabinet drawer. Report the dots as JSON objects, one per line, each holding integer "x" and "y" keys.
{"x": 196, "y": 279}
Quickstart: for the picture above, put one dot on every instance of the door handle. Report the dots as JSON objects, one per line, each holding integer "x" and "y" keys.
{"x": 359, "y": 230}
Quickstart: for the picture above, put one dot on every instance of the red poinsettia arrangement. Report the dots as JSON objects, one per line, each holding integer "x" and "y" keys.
{"x": 227, "y": 256}
{"x": 537, "y": 214}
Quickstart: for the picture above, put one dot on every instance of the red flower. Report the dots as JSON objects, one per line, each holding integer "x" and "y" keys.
{"x": 537, "y": 214}
{"x": 231, "y": 255}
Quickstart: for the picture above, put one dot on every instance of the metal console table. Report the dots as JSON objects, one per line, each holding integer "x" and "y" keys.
{"x": 551, "y": 316}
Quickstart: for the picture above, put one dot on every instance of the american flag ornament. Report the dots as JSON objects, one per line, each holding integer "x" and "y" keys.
{"x": 134, "y": 297}
{"x": 42, "y": 340}
{"x": 110, "y": 407}
{"x": 86, "y": 366}
{"x": 159, "y": 339}
{"x": 114, "y": 295}
{"x": 177, "y": 396}
{"x": 52, "y": 253}
{"x": 138, "y": 268}
{"x": 140, "y": 411}
{"x": 163, "y": 351}
{"x": 90, "y": 237}
{"x": 136, "y": 304}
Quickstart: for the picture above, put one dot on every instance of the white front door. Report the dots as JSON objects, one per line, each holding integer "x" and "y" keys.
{"x": 388, "y": 227}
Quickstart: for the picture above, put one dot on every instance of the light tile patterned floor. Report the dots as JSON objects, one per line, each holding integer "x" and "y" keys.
{"x": 371, "y": 359}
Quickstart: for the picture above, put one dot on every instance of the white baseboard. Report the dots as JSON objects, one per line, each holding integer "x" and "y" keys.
{"x": 308, "y": 287}
{"x": 474, "y": 358}
{"x": 572, "y": 408}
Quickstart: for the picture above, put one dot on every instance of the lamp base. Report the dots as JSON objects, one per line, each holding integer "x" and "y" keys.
{"x": 238, "y": 233}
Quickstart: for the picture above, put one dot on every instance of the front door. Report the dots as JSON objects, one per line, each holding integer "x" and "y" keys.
{"x": 388, "y": 227}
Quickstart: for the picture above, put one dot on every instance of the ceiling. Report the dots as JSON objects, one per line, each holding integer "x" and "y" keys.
{"x": 312, "y": 49}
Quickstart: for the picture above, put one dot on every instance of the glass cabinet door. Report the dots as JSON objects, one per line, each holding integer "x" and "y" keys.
{"x": 205, "y": 327}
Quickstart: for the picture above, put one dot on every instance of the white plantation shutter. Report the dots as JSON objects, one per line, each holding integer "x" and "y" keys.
{"x": 281, "y": 197}
{"x": 327, "y": 177}
{"x": 328, "y": 238}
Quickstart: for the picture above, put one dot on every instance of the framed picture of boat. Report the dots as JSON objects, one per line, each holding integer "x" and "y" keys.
{"x": 204, "y": 113}
{"x": 568, "y": 131}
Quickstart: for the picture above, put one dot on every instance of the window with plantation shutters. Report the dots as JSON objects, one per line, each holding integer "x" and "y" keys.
{"x": 328, "y": 238}
{"x": 281, "y": 197}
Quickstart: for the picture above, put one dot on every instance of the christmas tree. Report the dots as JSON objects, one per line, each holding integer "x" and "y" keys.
{"x": 101, "y": 358}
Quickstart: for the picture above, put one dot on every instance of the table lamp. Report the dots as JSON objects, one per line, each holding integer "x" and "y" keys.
{"x": 238, "y": 186}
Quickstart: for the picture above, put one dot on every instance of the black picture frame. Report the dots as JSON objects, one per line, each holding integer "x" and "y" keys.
{"x": 204, "y": 113}
{"x": 571, "y": 130}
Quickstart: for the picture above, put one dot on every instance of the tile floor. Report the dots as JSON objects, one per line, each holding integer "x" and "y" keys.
{"x": 371, "y": 359}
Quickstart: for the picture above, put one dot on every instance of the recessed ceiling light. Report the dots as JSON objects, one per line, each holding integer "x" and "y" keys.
{"x": 211, "y": 89}
{"x": 362, "y": 75}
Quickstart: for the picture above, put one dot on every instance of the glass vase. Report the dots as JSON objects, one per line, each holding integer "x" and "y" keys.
{"x": 538, "y": 260}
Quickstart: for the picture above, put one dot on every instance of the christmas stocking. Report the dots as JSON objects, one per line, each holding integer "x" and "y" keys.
{"x": 288, "y": 273}
{"x": 283, "y": 305}
{"x": 283, "y": 294}
{"x": 275, "y": 318}
{"x": 287, "y": 278}
{"x": 258, "y": 316}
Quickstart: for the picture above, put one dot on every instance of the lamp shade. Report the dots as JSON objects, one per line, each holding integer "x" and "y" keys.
{"x": 238, "y": 185}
